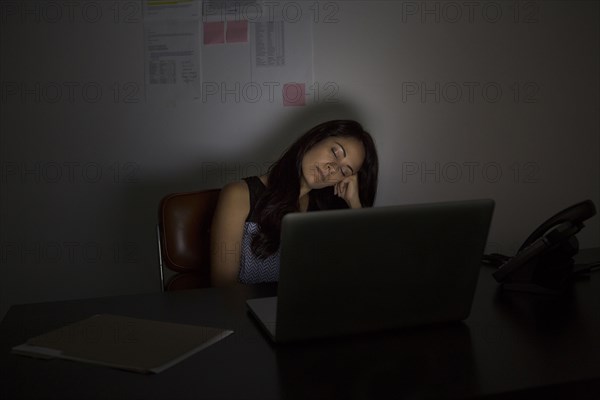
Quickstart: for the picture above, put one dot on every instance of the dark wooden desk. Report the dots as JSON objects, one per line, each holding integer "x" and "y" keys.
{"x": 512, "y": 346}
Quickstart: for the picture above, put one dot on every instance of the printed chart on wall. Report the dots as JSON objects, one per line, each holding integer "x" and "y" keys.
{"x": 172, "y": 51}
{"x": 228, "y": 52}
{"x": 256, "y": 52}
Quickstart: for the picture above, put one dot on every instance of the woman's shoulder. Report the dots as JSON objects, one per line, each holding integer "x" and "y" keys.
{"x": 236, "y": 188}
{"x": 236, "y": 194}
{"x": 246, "y": 188}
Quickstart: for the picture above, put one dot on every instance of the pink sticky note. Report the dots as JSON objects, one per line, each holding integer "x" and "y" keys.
{"x": 294, "y": 94}
{"x": 214, "y": 32}
{"x": 237, "y": 31}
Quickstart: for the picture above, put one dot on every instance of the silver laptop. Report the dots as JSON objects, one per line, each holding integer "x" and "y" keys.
{"x": 354, "y": 271}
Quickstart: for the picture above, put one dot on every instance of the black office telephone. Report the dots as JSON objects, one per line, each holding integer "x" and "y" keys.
{"x": 544, "y": 263}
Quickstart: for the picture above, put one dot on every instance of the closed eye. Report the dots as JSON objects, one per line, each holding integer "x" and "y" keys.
{"x": 346, "y": 171}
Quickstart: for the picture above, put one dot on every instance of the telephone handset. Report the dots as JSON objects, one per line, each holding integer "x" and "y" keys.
{"x": 545, "y": 260}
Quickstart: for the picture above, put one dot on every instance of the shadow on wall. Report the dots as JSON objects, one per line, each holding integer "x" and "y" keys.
{"x": 138, "y": 211}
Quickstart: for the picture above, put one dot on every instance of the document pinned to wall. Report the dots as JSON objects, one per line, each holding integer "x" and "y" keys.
{"x": 172, "y": 41}
{"x": 269, "y": 44}
{"x": 234, "y": 52}
{"x": 253, "y": 53}
{"x": 172, "y": 9}
{"x": 225, "y": 66}
{"x": 282, "y": 52}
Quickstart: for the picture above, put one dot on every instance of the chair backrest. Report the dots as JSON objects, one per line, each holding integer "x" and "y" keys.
{"x": 184, "y": 221}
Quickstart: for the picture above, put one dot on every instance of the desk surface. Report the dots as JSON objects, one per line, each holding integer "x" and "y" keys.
{"x": 513, "y": 345}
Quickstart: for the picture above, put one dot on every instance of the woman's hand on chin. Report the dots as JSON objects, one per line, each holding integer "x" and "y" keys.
{"x": 347, "y": 189}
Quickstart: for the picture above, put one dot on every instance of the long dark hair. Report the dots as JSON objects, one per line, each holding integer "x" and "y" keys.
{"x": 283, "y": 190}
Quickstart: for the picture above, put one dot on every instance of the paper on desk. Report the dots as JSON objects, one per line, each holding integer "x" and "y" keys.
{"x": 122, "y": 342}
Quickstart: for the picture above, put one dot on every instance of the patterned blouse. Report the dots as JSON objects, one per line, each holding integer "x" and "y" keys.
{"x": 252, "y": 268}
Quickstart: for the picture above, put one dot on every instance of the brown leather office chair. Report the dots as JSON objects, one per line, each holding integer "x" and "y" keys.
{"x": 184, "y": 221}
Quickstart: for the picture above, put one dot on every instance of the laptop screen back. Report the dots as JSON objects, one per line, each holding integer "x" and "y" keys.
{"x": 350, "y": 271}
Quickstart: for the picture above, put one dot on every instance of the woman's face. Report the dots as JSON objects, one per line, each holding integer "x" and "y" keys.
{"x": 331, "y": 160}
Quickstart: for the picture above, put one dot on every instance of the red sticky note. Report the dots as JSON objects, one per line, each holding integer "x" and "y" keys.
{"x": 214, "y": 32}
{"x": 237, "y": 31}
{"x": 294, "y": 94}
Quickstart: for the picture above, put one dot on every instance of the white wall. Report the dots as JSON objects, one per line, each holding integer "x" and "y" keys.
{"x": 80, "y": 181}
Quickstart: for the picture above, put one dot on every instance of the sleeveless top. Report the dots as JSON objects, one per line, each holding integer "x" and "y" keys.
{"x": 252, "y": 268}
